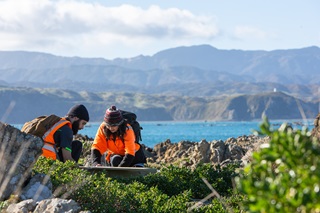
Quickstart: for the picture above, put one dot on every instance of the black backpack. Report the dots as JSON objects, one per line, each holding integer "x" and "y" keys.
{"x": 131, "y": 119}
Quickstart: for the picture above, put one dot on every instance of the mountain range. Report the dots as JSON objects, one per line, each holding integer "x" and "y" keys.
{"x": 19, "y": 105}
{"x": 182, "y": 83}
{"x": 196, "y": 70}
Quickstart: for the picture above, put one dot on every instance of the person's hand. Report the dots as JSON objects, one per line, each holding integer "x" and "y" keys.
{"x": 98, "y": 165}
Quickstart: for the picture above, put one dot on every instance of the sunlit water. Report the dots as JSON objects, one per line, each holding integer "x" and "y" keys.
{"x": 156, "y": 132}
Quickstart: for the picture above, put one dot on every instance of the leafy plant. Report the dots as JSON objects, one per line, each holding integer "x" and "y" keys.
{"x": 284, "y": 175}
{"x": 171, "y": 190}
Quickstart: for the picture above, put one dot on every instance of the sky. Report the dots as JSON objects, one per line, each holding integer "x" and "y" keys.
{"x": 124, "y": 29}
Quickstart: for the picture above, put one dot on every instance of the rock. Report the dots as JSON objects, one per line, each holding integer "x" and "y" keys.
{"x": 186, "y": 153}
{"x": 39, "y": 188}
{"x": 57, "y": 205}
{"x": 18, "y": 153}
{"x": 22, "y": 207}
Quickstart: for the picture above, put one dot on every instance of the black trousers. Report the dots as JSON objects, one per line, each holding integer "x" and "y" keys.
{"x": 139, "y": 158}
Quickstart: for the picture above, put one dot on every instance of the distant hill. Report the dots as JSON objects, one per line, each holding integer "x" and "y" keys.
{"x": 194, "y": 71}
{"x": 19, "y": 105}
{"x": 183, "y": 83}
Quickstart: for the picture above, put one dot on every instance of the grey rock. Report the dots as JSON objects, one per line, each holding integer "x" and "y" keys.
{"x": 57, "y": 205}
{"x": 22, "y": 207}
{"x": 39, "y": 188}
{"x": 18, "y": 153}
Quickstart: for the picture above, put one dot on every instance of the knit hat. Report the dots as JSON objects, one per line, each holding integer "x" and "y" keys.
{"x": 113, "y": 116}
{"x": 79, "y": 111}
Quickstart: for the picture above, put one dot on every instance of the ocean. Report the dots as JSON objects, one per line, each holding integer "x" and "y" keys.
{"x": 195, "y": 131}
{"x": 157, "y": 132}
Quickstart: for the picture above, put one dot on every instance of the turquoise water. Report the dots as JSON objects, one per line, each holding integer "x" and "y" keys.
{"x": 156, "y": 132}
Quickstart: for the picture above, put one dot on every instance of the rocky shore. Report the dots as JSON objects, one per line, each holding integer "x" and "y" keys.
{"x": 190, "y": 154}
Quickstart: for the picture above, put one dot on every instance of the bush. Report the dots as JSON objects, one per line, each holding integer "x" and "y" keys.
{"x": 172, "y": 180}
{"x": 284, "y": 176}
{"x": 171, "y": 190}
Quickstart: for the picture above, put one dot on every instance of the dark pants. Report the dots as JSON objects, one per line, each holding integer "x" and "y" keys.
{"x": 139, "y": 159}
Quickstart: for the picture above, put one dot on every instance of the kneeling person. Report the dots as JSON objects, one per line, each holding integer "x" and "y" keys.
{"x": 59, "y": 143}
{"x": 116, "y": 138}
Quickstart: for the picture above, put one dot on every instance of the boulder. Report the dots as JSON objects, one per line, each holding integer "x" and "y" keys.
{"x": 186, "y": 153}
{"x": 18, "y": 153}
{"x": 38, "y": 188}
{"x": 57, "y": 205}
{"x": 25, "y": 206}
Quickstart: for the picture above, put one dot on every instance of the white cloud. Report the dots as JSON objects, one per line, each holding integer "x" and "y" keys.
{"x": 66, "y": 25}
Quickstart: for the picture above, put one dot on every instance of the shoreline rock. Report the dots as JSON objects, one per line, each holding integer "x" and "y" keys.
{"x": 190, "y": 154}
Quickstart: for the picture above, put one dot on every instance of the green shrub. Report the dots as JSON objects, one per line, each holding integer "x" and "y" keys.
{"x": 284, "y": 176}
{"x": 171, "y": 190}
{"x": 3, "y": 205}
{"x": 172, "y": 180}
{"x": 221, "y": 205}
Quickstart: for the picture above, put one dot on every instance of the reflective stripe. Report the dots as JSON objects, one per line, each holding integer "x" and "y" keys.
{"x": 49, "y": 148}
{"x": 52, "y": 128}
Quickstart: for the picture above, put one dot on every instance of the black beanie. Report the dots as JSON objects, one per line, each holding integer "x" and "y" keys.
{"x": 79, "y": 111}
{"x": 113, "y": 116}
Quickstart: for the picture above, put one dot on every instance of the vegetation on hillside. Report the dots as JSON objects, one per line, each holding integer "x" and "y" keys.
{"x": 152, "y": 107}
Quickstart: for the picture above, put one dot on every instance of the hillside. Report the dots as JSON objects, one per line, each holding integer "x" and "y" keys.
{"x": 198, "y": 71}
{"x": 21, "y": 104}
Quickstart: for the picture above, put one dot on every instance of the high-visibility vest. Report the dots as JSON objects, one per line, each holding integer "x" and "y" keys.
{"x": 48, "y": 149}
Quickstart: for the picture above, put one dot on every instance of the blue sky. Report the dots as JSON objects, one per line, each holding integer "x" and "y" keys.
{"x": 111, "y": 29}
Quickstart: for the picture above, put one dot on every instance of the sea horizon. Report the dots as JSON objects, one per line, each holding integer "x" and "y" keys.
{"x": 155, "y": 132}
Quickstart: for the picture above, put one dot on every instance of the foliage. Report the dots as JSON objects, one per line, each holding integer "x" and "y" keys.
{"x": 222, "y": 205}
{"x": 172, "y": 180}
{"x": 284, "y": 176}
{"x": 3, "y": 205}
{"x": 171, "y": 190}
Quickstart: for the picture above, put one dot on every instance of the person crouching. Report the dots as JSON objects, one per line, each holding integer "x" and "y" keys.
{"x": 116, "y": 138}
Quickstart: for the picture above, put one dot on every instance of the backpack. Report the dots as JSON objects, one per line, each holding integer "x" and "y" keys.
{"x": 40, "y": 125}
{"x": 131, "y": 119}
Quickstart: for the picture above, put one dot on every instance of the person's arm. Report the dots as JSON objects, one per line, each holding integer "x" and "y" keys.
{"x": 96, "y": 157}
{"x": 63, "y": 139}
{"x": 126, "y": 161}
{"x": 66, "y": 154}
{"x": 129, "y": 141}
{"x": 99, "y": 146}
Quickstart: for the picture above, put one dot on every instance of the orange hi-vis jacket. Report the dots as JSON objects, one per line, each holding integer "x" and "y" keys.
{"x": 115, "y": 147}
{"x": 48, "y": 149}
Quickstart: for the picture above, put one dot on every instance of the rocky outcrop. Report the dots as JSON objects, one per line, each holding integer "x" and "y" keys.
{"x": 55, "y": 205}
{"x": 18, "y": 153}
{"x": 190, "y": 154}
